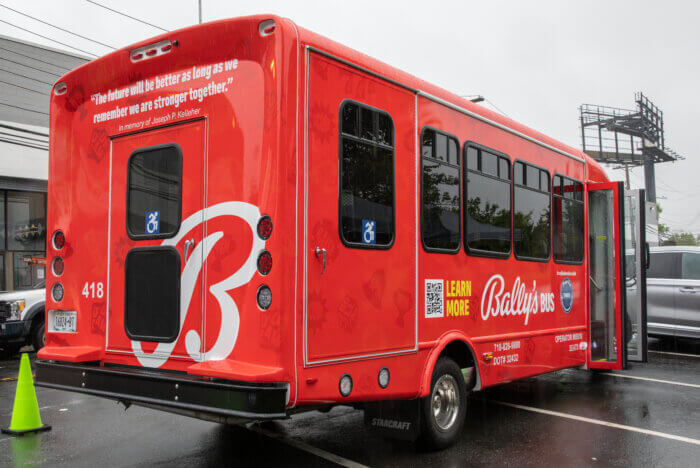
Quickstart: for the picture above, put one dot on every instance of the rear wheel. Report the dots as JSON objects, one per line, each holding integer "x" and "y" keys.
{"x": 38, "y": 334}
{"x": 444, "y": 409}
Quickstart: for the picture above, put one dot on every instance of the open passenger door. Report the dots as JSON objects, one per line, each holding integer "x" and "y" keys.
{"x": 616, "y": 276}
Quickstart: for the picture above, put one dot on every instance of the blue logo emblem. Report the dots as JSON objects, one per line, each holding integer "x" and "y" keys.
{"x": 369, "y": 231}
{"x": 566, "y": 295}
{"x": 152, "y": 222}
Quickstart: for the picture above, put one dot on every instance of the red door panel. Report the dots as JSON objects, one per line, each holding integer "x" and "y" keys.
{"x": 364, "y": 302}
{"x": 606, "y": 277}
{"x": 190, "y": 139}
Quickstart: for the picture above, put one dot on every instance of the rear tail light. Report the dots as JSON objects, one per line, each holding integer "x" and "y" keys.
{"x": 57, "y": 292}
{"x": 58, "y": 240}
{"x": 265, "y": 227}
{"x": 57, "y": 266}
{"x": 264, "y": 297}
{"x": 264, "y": 262}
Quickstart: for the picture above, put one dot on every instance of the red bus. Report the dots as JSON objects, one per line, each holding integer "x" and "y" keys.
{"x": 250, "y": 220}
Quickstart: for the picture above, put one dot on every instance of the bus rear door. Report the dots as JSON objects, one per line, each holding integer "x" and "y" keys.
{"x": 156, "y": 182}
{"x": 615, "y": 242}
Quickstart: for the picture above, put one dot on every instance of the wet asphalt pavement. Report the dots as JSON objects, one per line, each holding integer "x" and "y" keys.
{"x": 536, "y": 421}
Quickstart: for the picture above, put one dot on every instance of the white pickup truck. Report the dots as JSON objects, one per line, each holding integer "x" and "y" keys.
{"x": 22, "y": 319}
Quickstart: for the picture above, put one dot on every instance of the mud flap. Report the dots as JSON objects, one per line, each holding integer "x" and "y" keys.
{"x": 396, "y": 419}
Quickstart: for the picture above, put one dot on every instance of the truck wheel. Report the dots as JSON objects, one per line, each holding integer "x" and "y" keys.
{"x": 38, "y": 336}
{"x": 443, "y": 410}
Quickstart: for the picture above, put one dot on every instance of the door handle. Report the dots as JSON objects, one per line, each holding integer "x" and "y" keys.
{"x": 189, "y": 244}
{"x": 319, "y": 252}
{"x": 688, "y": 290}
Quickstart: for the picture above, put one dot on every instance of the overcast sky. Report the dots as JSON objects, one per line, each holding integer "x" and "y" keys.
{"x": 534, "y": 61}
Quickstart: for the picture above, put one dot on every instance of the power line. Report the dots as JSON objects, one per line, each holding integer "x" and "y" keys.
{"x": 128, "y": 16}
{"x": 22, "y": 108}
{"x": 57, "y": 27}
{"x": 33, "y": 58}
{"x": 47, "y": 38}
{"x": 23, "y": 87}
{"x": 25, "y": 76}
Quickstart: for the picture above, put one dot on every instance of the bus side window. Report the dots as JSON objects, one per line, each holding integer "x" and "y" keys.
{"x": 440, "y": 223}
{"x": 567, "y": 198}
{"x": 366, "y": 176}
{"x": 487, "y": 195}
{"x": 531, "y": 227}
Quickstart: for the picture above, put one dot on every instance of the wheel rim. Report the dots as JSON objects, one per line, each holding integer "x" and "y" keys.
{"x": 445, "y": 402}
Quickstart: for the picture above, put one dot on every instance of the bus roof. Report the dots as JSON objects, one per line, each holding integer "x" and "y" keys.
{"x": 594, "y": 171}
{"x": 318, "y": 42}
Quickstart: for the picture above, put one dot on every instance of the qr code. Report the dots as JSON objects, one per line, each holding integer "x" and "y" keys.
{"x": 434, "y": 299}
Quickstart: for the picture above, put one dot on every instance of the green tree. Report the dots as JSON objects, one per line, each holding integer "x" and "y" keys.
{"x": 680, "y": 238}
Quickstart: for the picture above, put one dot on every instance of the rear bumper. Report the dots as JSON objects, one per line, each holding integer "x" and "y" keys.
{"x": 178, "y": 392}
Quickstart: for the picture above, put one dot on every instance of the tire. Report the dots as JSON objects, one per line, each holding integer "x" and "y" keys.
{"x": 38, "y": 335}
{"x": 444, "y": 409}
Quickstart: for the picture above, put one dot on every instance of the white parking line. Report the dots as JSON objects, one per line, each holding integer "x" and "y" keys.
{"x": 675, "y": 354}
{"x": 600, "y": 422}
{"x": 337, "y": 459}
{"x": 670, "y": 382}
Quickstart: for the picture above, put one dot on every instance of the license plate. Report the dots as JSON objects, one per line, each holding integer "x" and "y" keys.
{"x": 64, "y": 321}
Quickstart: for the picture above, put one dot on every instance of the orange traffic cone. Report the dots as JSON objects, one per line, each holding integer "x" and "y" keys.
{"x": 25, "y": 413}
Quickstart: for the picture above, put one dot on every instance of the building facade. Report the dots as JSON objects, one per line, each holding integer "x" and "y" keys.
{"x": 27, "y": 74}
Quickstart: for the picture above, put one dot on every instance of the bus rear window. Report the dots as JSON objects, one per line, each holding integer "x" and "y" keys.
{"x": 154, "y": 192}
{"x": 366, "y": 176}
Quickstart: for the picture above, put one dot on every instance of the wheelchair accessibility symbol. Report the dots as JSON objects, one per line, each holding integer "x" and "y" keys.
{"x": 369, "y": 228}
{"x": 152, "y": 222}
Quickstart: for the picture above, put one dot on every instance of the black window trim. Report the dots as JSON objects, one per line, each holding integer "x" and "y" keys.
{"x": 341, "y": 135}
{"x": 458, "y": 166}
{"x": 146, "y": 149}
{"x": 479, "y": 252}
{"x": 551, "y": 224}
{"x": 585, "y": 220}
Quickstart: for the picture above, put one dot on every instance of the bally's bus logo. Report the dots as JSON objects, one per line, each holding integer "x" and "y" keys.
{"x": 230, "y": 319}
{"x": 566, "y": 295}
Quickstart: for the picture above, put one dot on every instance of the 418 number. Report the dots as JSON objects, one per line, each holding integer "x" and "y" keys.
{"x": 93, "y": 290}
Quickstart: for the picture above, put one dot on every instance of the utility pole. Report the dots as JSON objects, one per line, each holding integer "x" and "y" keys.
{"x": 200, "y": 11}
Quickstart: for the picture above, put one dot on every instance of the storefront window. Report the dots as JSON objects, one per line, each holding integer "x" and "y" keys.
{"x": 26, "y": 221}
{"x": 28, "y": 271}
